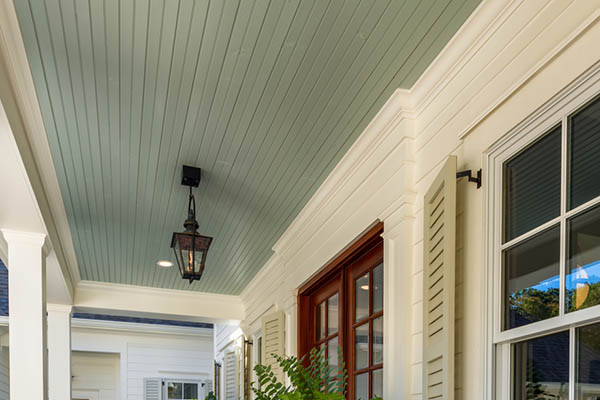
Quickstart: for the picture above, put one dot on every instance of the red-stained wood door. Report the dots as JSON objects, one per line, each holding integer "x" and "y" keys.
{"x": 342, "y": 307}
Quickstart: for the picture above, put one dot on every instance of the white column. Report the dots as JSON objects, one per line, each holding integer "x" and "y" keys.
{"x": 27, "y": 315}
{"x": 59, "y": 352}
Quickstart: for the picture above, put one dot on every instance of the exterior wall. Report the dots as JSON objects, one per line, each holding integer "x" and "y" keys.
{"x": 148, "y": 352}
{"x": 507, "y": 61}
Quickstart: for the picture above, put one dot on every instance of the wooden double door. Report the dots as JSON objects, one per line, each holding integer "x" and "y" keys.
{"x": 341, "y": 309}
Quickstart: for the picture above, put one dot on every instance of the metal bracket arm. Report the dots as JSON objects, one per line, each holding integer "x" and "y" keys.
{"x": 468, "y": 173}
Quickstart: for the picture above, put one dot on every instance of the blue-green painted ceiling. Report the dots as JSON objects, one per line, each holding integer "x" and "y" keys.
{"x": 265, "y": 96}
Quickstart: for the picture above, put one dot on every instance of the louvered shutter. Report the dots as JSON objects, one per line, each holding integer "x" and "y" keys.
{"x": 438, "y": 285}
{"x": 231, "y": 376}
{"x": 273, "y": 329}
{"x": 152, "y": 389}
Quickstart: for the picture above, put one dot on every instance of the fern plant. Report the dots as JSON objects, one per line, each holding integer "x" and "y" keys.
{"x": 311, "y": 379}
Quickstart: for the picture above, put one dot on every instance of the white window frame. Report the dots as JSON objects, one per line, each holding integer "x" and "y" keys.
{"x": 496, "y": 358}
{"x": 183, "y": 381}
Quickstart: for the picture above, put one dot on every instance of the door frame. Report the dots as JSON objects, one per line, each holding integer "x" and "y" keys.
{"x": 336, "y": 270}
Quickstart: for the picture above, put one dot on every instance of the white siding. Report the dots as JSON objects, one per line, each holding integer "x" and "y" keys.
{"x": 150, "y": 355}
{"x": 4, "y": 374}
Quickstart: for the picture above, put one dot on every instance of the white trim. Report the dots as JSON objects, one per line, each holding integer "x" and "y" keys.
{"x": 64, "y": 308}
{"x": 396, "y": 109}
{"x": 468, "y": 40}
{"x": 158, "y": 302}
{"x": 31, "y": 238}
{"x": 45, "y": 187}
{"x": 134, "y": 327}
{"x": 555, "y": 111}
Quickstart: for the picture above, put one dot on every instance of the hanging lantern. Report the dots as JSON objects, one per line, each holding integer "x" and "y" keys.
{"x": 190, "y": 247}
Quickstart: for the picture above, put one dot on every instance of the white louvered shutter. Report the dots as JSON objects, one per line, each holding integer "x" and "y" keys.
{"x": 231, "y": 376}
{"x": 273, "y": 329}
{"x": 152, "y": 389}
{"x": 438, "y": 285}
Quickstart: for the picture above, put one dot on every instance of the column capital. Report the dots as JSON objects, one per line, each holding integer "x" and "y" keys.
{"x": 31, "y": 238}
{"x": 62, "y": 308}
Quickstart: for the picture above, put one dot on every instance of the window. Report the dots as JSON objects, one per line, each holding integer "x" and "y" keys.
{"x": 544, "y": 281}
{"x": 181, "y": 390}
{"x": 343, "y": 309}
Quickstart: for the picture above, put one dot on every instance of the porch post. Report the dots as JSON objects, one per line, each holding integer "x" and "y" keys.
{"x": 27, "y": 315}
{"x": 59, "y": 352}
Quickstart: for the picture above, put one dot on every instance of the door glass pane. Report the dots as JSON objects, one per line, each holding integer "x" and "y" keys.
{"x": 583, "y": 266}
{"x": 332, "y": 356}
{"x": 175, "y": 390}
{"x": 320, "y": 321}
{"x": 361, "y": 386}
{"x": 541, "y": 368}
{"x": 378, "y": 383}
{"x": 190, "y": 391}
{"x": 584, "y": 147}
{"x": 378, "y": 288}
{"x": 531, "y": 279}
{"x": 532, "y": 186}
{"x": 332, "y": 314}
{"x": 361, "y": 346}
{"x": 362, "y": 297}
{"x": 378, "y": 340}
{"x": 588, "y": 362}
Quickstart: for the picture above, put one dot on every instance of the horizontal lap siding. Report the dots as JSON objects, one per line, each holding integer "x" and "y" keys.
{"x": 187, "y": 359}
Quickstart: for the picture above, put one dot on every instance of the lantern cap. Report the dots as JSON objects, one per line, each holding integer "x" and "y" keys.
{"x": 191, "y": 176}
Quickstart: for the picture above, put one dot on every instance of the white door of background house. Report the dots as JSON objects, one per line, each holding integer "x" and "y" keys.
{"x": 84, "y": 395}
{"x": 95, "y": 375}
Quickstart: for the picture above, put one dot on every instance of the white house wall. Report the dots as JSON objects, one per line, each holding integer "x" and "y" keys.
{"x": 150, "y": 355}
{"x": 507, "y": 61}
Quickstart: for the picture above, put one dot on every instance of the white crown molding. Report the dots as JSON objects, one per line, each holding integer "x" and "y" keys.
{"x": 467, "y": 41}
{"x": 191, "y": 305}
{"x": 34, "y": 145}
{"x": 397, "y": 108}
{"x": 551, "y": 55}
{"x": 135, "y": 327}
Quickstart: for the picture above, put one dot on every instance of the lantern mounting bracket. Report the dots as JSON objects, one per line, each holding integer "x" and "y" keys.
{"x": 191, "y": 176}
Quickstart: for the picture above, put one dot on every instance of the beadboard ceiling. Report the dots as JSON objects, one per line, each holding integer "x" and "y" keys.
{"x": 264, "y": 96}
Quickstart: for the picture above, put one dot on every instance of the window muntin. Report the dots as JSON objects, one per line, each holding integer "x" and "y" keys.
{"x": 368, "y": 332}
{"x": 550, "y": 254}
{"x": 574, "y": 221}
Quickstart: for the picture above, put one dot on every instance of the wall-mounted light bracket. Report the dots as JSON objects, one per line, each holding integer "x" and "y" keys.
{"x": 468, "y": 173}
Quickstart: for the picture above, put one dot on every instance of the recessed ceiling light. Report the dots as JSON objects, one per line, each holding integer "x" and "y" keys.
{"x": 164, "y": 263}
